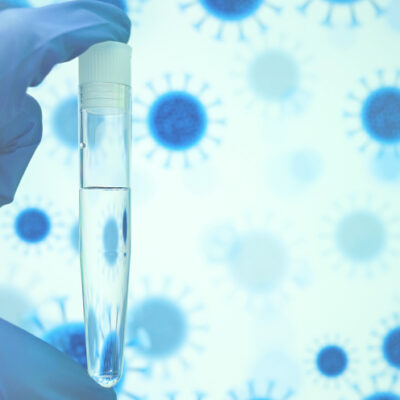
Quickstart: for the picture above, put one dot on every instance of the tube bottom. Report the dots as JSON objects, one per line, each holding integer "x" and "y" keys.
{"x": 106, "y": 380}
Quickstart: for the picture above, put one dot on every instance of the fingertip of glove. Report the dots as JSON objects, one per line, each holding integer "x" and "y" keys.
{"x": 114, "y": 12}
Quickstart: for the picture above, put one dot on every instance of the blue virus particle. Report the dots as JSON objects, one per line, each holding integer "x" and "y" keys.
{"x": 332, "y": 361}
{"x": 374, "y": 110}
{"x": 391, "y": 347}
{"x": 241, "y": 16}
{"x": 332, "y": 6}
{"x": 32, "y": 225}
{"x": 110, "y": 241}
{"x": 161, "y": 327}
{"x": 255, "y": 391}
{"x": 382, "y": 396}
{"x": 381, "y": 115}
{"x": 70, "y": 339}
{"x": 235, "y": 10}
{"x": 74, "y": 237}
{"x": 361, "y": 236}
{"x": 177, "y": 120}
{"x": 65, "y": 122}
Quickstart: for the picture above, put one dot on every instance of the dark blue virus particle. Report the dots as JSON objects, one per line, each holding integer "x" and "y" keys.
{"x": 110, "y": 240}
{"x": 333, "y": 4}
{"x": 332, "y": 361}
{"x": 361, "y": 236}
{"x": 381, "y": 115}
{"x": 236, "y": 14}
{"x": 177, "y": 120}
{"x": 382, "y": 396}
{"x": 65, "y": 122}
{"x": 125, "y": 226}
{"x": 70, "y": 339}
{"x": 74, "y": 237}
{"x": 232, "y": 10}
{"x": 391, "y": 347}
{"x": 32, "y": 225}
{"x": 160, "y": 327}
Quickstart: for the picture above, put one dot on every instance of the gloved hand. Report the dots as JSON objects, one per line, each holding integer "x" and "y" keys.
{"x": 32, "y": 41}
{"x": 32, "y": 369}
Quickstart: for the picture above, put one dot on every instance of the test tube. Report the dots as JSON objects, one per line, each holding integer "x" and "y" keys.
{"x": 104, "y": 204}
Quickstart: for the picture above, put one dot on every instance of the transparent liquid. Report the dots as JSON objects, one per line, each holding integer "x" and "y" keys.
{"x": 105, "y": 245}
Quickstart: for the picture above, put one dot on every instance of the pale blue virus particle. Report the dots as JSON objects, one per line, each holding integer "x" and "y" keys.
{"x": 177, "y": 120}
{"x": 161, "y": 327}
{"x": 65, "y": 122}
{"x": 32, "y": 225}
{"x": 361, "y": 236}
{"x": 274, "y": 75}
{"x": 165, "y": 331}
{"x": 74, "y": 237}
{"x": 241, "y": 16}
{"x": 110, "y": 240}
{"x": 377, "y": 113}
{"x": 306, "y": 166}
{"x": 256, "y": 391}
{"x": 386, "y": 167}
{"x": 275, "y": 78}
{"x": 393, "y": 15}
{"x": 194, "y": 396}
{"x": 257, "y": 267}
{"x": 330, "y": 7}
{"x": 259, "y": 261}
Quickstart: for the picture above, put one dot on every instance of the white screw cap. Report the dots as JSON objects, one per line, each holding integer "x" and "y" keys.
{"x": 106, "y": 62}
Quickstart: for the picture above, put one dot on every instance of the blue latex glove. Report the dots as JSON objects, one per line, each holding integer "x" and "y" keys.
{"x": 33, "y": 370}
{"x": 32, "y": 41}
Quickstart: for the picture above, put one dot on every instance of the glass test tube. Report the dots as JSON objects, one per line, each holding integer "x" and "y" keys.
{"x": 104, "y": 204}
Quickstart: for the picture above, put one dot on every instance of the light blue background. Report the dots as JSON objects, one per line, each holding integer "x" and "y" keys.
{"x": 247, "y": 242}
